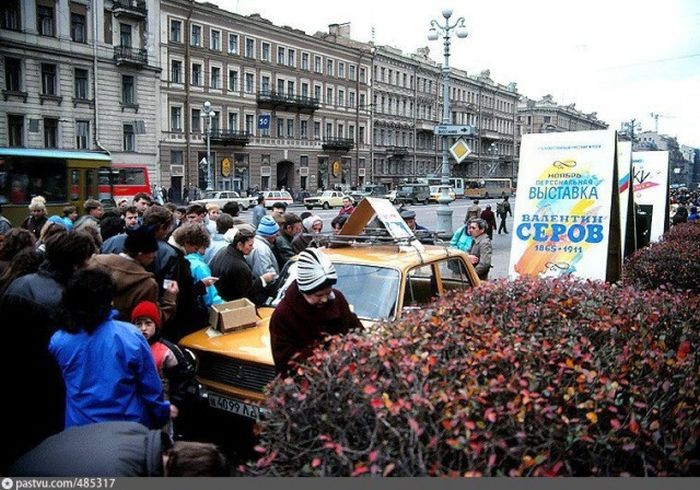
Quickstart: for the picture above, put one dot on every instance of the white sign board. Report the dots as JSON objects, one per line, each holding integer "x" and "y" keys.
{"x": 651, "y": 192}
{"x": 563, "y": 224}
{"x": 453, "y": 130}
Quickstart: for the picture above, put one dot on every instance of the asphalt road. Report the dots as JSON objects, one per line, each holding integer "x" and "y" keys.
{"x": 427, "y": 216}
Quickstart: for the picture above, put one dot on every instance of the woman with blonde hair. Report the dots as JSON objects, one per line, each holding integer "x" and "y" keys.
{"x": 37, "y": 217}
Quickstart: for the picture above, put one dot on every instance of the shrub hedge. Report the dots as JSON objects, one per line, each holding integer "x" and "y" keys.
{"x": 541, "y": 378}
{"x": 674, "y": 262}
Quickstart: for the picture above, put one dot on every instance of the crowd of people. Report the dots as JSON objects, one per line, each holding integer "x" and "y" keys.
{"x": 97, "y": 303}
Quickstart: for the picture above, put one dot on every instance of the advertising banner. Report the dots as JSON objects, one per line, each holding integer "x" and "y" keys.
{"x": 650, "y": 194}
{"x": 566, "y": 219}
{"x": 628, "y": 242}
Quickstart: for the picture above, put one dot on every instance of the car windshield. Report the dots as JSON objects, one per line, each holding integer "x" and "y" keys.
{"x": 371, "y": 290}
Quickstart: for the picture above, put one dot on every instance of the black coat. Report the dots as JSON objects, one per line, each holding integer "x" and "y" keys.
{"x": 33, "y": 384}
{"x": 236, "y": 280}
{"x": 107, "y": 449}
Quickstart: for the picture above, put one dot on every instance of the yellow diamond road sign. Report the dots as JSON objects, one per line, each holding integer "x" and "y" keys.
{"x": 460, "y": 150}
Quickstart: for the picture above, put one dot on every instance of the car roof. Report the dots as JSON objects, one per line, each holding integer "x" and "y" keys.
{"x": 391, "y": 255}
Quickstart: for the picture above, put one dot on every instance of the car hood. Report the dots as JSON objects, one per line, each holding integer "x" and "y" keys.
{"x": 251, "y": 344}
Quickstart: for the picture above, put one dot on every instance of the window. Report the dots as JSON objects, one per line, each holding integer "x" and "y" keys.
{"x": 341, "y": 97}
{"x": 82, "y": 135}
{"x": 362, "y": 101}
{"x": 329, "y": 67}
{"x": 317, "y": 64}
{"x": 363, "y": 75}
{"x": 329, "y": 96}
{"x": 44, "y": 19}
{"x": 351, "y": 99}
{"x": 280, "y": 55}
{"x": 125, "y": 35}
{"x": 280, "y": 86}
{"x": 15, "y": 134}
{"x": 249, "y": 83}
{"x": 233, "y": 80}
{"x": 341, "y": 130}
{"x": 215, "y": 77}
{"x": 196, "y": 74}
{"x": 341, "y": 70}
{"x": 265, "y": 51}
{"x": 249, "y": 123}
{"x": 352, "y": 72}
{"x": 196, "y": 35}
{"x": 304, "y": 61}
{"x": 280, "y": 127}
{"x": 50, "y": 132}
{"x": 290, "y": 88}
{"x": 10, "y": 15}
{"x": 317, "y": 92}
{"x": 233, "y": 43}
{"x": 215, "y": 40}
{"x": 78, "y": 32}
{"x": 304, "y": 129}
{"x": 317, "y": 130}
{"x": 361, "y": 135}
{"x": 175, "y": 31}
{"x": 249, "y": 48}
{"x": 13, "y": 74}
{"x": 129, "y": 138}
{"x": 290, "y": 57}
{"x": 176, "y": 71}
{"x": 232, "y": 121}
{"x": 196, "y": 121}
{"x": 128, "y": 96}
{"x": 81, "y": 83}
{"x": 48, "y": 79}
{"x": 176, "y": 119}
{"x": 290, "y": 128}
{"x": 265, "y": 84}
{"x": 329, "y": 130}
{"x": 304, "y": 89}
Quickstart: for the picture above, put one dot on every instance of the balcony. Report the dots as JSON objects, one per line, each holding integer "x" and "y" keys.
{"x": 338, "y": 144}
{"x": 230, "y": 138}
{"x": 125, "y": 55}
{"x": 398, "y": 151}
{"x": 488, "y": 134}
{"x": 269, "y": 99}
{"x": 130, "y": 8}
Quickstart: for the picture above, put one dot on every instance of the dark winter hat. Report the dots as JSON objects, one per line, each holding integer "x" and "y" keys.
{"x": 146, "y": 309}
{"x": 141, "y": 240}
{"x": 315, "y": 271}
{"x": 408, "y": 214}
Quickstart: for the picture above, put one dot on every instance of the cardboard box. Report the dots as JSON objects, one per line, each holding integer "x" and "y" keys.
{"x": 233, "y": 315}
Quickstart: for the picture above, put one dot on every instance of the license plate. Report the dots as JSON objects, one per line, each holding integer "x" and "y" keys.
{"x": 232, "y": 405}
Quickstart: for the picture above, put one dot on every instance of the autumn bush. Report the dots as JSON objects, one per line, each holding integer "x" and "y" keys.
{"x": 673, "y": 262}
{"x": 540, "y": 378}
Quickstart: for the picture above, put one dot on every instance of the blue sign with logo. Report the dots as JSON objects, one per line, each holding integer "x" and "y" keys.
{"x": 264, "y": 121}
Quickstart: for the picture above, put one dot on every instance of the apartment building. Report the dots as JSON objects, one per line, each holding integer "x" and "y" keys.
{"x": 545, "y": 115}
{"x": 81, "y": 74}
{"x": 287, "y": 109}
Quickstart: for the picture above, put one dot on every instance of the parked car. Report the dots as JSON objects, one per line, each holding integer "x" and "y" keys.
{"x": 436, "y": 192}
{"x": 271, "y": 197}
{"x": 413, "y": 194}
{"x": 326, "y": 200}
{"x": 222, "y": 197}
{"x": 381, "y": 282}
{"x": 369, "y": 190}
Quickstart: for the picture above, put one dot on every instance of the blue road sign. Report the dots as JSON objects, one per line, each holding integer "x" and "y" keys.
{"x": 264, "y": 121}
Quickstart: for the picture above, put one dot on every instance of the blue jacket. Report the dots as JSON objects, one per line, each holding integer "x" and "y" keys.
{"x": 200, "y": 270}
{"x": 462, "y": 240}
{"x": 110, "y": 375}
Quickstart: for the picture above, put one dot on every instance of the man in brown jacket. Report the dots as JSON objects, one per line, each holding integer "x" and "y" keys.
{"x": 480, "y": 252}
{"x": 134, "y": 283}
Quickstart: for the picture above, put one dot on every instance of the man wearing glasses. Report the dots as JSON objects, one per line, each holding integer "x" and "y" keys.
{"x": 480, "y": 252}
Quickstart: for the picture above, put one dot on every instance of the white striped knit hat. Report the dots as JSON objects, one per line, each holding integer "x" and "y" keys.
{"x": 315, "y": 271}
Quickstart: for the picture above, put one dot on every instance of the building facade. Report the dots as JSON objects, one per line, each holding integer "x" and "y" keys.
{"x": 82, "y": 75}
{"x": 287, "y": 109}
{"x": 545, "y": 116}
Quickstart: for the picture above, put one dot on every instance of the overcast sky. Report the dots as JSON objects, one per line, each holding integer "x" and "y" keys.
{"x": 623, "y": 59}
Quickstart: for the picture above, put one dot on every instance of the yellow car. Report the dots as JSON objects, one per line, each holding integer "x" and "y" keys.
{"x": 326, "y": 200}
{"x": 381, "y": 282}
{"x": 436, "y": 192}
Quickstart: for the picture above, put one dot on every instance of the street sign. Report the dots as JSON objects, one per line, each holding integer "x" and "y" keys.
{"x": 264, "y": 121}
{"x": 453, "y": 130}
{"x": 460, "y": 150}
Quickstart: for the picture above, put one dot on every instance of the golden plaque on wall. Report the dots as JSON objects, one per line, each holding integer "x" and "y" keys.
{"x": 336, "y": 168}
{"x": 225, "y": 167}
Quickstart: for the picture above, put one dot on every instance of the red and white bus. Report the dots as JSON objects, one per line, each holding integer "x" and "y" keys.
{"x": 126, "y": 181}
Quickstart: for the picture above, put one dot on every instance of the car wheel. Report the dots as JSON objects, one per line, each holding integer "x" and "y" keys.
{"x": 326, "y": 205}
{"x": 426, "y": 202}
{"x": 309, "y": 207}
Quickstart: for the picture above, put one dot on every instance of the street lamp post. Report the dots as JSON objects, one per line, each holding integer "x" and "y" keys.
{"x": 208, "y": 113}
{"x": 444, "y": 213}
